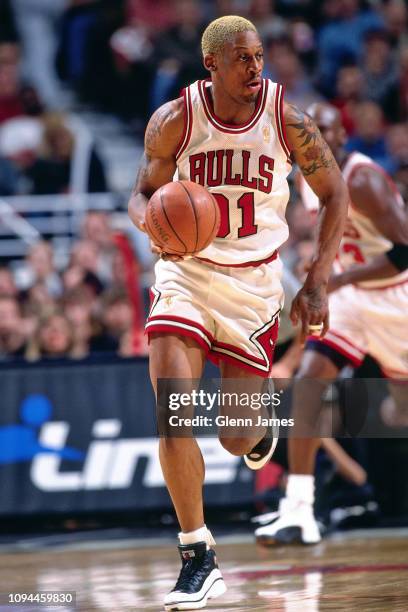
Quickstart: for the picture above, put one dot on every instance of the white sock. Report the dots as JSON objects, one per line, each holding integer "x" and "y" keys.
{"x": 198, "y": 535}
{"x": 300, "y": 488}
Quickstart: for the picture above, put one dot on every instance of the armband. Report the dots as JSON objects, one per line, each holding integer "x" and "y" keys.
{"x": 398, "y": 256}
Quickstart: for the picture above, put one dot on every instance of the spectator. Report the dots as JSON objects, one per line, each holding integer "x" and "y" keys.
{"x": 285, "y": 67}
{"x": 403, "y": 88}
{"x": 19, "y": 141}
{"x": 8, "y": 287}
{"x": 341, "y": 39}
{"x": 268, "y": 23}
{"x": 117, "y": 318}
{"x": 89, "y": 336}
{"x": 77, "y": 22}
{"x": 9, "y": 178}
{"x": 40, "y": 270}
{"x": 349, "y": 92}
{"x": 155, "y": 16}
{"x": 16, "y": 99}
{"x": 369, "y": 138}
{"x": 37, "y": 23}
{"x": 380, "y": 74}
{"x": 395, "y": 15}
{"x": 12, "y": 336}
{"x": 53, "y": 338}
{"x": 52, "y": 171}
{"x": 96, "y": 230}
{"x": 178, "y": 54}
{"x": 397, "y": 143}
{"x": 8, "y": 30}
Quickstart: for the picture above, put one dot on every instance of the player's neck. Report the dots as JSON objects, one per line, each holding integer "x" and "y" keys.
{"x": 227, "y": 109}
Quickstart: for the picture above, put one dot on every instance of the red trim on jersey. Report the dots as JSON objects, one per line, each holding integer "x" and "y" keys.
{"x": 188, "y": 122}
{"x": 228, "y": 127}
{"x": 332, "y": 343}
{"x": 247, "y": 264}
{"x": 280, "y": 123}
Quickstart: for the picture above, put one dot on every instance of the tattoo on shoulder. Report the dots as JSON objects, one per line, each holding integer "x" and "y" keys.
{"x": 314, "y": 148}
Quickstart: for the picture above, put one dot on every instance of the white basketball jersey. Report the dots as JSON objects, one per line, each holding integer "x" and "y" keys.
{"x": 244, "y": 167}
{"x": 361, "y": 241}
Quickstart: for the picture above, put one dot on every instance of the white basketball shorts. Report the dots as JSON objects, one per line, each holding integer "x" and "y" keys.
{"x": 371, "y": 322}
{"x": 231, "y": 312}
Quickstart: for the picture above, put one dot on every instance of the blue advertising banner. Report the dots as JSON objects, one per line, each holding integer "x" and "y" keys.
{"x": 78, "y": 437}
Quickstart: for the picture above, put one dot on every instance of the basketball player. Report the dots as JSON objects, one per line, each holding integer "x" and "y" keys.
{"x": 234, "y": 134}
{"x": 368, "y": 313}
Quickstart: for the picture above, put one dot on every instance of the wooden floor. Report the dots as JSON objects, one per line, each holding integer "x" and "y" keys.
{"x": 357, "y": 572}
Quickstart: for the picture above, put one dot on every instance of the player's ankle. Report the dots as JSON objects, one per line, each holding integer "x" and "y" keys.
{"x": 202, "y": 534}
{"x": 300, "y": 488}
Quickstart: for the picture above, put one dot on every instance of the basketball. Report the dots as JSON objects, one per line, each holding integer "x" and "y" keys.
{"x": 182, "y": 217}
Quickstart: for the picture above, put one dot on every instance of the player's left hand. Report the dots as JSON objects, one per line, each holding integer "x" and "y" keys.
{"x": 310, "y": 307}
{"x": 162, "y": 254}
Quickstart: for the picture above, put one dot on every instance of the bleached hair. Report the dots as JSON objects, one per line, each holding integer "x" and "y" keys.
{"x": 221, "y": 30}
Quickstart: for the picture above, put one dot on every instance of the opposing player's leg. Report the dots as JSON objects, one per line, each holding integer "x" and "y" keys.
{"x": 176, "y": 357}
{"x": 296, "y": 522}
{"x": 257, "y": 442}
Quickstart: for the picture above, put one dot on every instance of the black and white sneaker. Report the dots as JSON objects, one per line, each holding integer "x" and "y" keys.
{"x": 262, "y": 452}
{"x": 199, "y": 579}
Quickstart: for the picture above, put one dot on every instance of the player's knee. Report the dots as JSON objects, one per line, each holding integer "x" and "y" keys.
{"x": 237, "y": 446}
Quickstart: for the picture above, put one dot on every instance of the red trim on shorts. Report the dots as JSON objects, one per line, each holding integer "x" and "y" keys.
{"x": 227, "y": 127}
{"x": 217, "y": 357}
{"x": 213, "y": 355}
{"x": 177, "y": 319}
{"x": 238, "y": 351}
{"x": 247, "y": 264}
{"x": 397, "y": 376}
{"x": 188, "y": 123}
{"x": 280, "y": 123}
{"x": 179, "y": 331}
{"x": 354, "y": 360}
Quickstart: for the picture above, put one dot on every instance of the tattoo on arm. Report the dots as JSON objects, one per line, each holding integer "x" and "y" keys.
{"x": 142, "y": 173}
{"x": 313, "y": 147}
{"x": 155, "y": 127}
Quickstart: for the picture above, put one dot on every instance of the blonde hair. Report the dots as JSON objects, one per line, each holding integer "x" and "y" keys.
{"x": 221, "y": 30}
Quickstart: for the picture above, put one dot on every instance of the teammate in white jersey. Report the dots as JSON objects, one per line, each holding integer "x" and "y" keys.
{"x": 233, "y": 134}
{"x": 368, "y": 313}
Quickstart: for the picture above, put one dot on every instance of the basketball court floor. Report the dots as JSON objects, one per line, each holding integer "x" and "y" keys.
{"x": 361, "y": 570}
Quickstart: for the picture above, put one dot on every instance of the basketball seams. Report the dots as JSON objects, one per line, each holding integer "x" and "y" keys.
{"x": 214, "y": 201}
{"x": 168, "y": 221}
{"x": 190, "y": 199}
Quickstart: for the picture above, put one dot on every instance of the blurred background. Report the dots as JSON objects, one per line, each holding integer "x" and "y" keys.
{"x": 78, "y": 81}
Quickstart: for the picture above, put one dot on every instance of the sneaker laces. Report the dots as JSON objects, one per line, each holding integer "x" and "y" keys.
{"x": 191, "y": 572}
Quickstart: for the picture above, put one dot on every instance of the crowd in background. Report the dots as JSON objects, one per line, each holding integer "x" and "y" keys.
{"x": 126, "y": 57}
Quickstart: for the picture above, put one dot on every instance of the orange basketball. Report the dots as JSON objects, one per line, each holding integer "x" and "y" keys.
{"x": 182, "y": 217}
